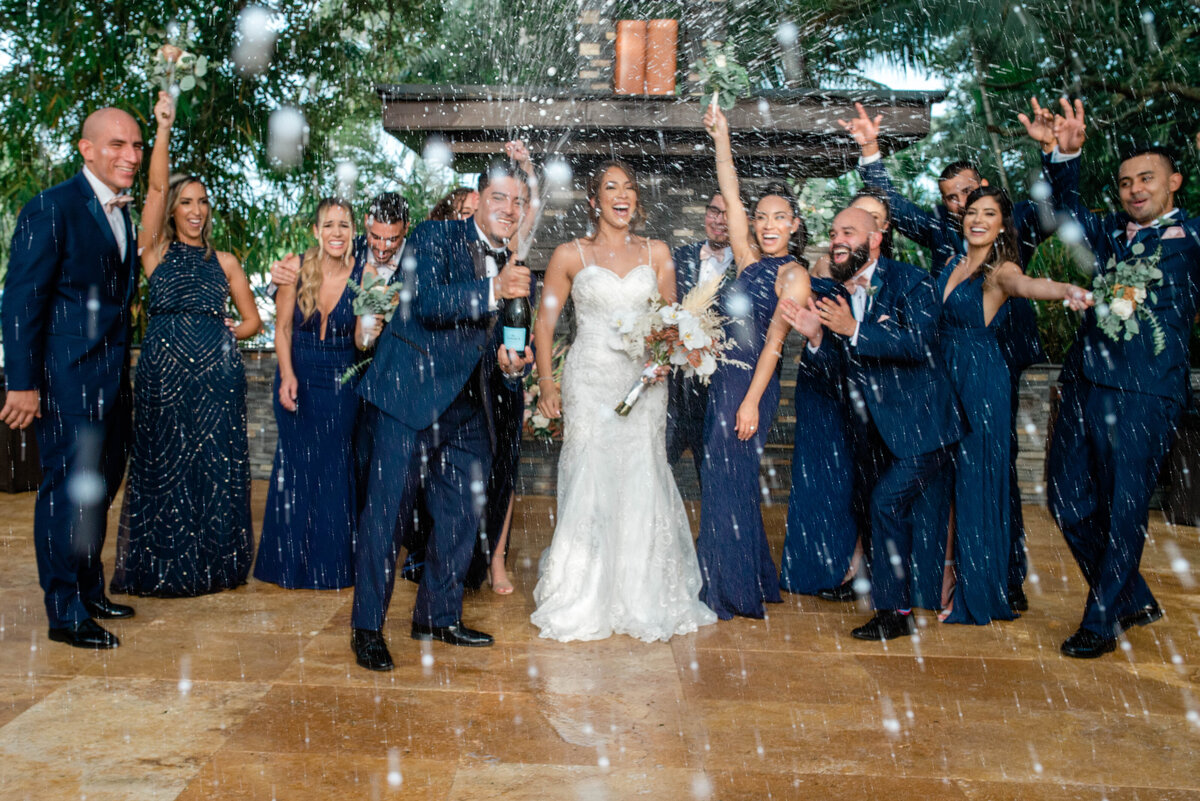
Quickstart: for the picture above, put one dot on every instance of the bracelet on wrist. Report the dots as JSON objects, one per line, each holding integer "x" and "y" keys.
{"x": 545, "y": 378}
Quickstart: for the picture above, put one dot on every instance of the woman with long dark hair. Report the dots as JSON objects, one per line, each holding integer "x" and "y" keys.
{"x": 735, "y": 559}
{"x": 974, "y": 289}
{"x": 621, "y": 559}
{"x": 185, "y": 528}
{"x": 310, "y": 520}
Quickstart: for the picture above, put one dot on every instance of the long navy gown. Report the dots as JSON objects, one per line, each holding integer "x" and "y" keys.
{"x": 821, "y": 523}
{"x": 735, "y": 559}
{"x": 310, "y": 521}
{"x": 981, "y": 470}
{"x": 185, "y": 526}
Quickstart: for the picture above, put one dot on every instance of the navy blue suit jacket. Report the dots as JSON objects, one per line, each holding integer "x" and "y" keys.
{"x": 687, "y": 267}
{"x": 1132, "y": 365}
{"x": 424, "y": 359}
{"x": 942, "y": 234}
{"x": 896, "y": 368}
{"x": 66, "y": 302}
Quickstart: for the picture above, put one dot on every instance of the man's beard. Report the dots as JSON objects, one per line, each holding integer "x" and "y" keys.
{"x": 857, "y": 259}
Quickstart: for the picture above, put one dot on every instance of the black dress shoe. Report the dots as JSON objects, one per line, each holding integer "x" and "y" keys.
{"x": 454, "y": 634}
{"x": 1017, "y": 601}
{"x": 841, "y": 593}
{"x": 105, "y": 609}
{"x": 413, "y": 571}
{"x": 1142, "y": 617}
{"x": 370, "y": 650}
{"x": 85, "y": 634}
{"x": 886, "y": 625}
{"x": 1085, "y": 644}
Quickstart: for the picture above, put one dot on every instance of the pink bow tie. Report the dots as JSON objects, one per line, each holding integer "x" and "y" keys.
{"x": 856, "y": 283}
{"x": 117, "y": 202}
{"x": 707, "y": 253}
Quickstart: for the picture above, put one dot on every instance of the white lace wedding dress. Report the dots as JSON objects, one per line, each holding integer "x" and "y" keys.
{"x": 622, "y": 558}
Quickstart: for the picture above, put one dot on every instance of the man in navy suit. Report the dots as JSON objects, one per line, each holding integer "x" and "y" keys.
{"x": 72, "y": 274}
{"x": 1123, "y": 400}
{"x": 940, "y": 230}
{"x": 882, "y": 347}
{"x": 429, "y": 410}
{"x": 687, "y": 398}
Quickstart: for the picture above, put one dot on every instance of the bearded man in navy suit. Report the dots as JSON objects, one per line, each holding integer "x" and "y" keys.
{"x": 72, "y": 274}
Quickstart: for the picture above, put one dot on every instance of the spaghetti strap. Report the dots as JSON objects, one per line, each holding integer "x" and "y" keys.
{"x": 649, "y": 254}
{"x": 582, "y": 258}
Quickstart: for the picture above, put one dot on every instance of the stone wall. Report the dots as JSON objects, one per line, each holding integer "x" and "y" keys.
{"x": 539, "y": 460}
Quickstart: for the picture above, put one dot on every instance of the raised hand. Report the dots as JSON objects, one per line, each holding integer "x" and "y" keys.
{"x": 864, "y": 130}
{"x": 805, "y": 319}
{"x": 1070, "y": 128}
{"x": 837, "y": 316}
{"x": 715, "y": 122}
{"x": 1039, "y": 126}
{"x": 518, "y": 152}
{"x": 285, "y": 271}
{"x": 164, "y": 110}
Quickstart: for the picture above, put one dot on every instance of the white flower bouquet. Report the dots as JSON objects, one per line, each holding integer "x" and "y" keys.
{"x": 1121, "y": 292}
{"x": 686, "y": 336}
{"x": 373, "y": 298}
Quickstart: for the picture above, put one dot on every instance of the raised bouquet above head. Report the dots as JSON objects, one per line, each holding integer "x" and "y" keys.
{"x": 723, "y": 79}
{"x": 686, "y": 336}
{"x": 1121, "y": 291}
{"x": 175, "y": 66}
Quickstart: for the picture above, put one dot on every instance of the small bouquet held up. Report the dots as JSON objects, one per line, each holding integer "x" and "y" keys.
{"x": 374, "y": 298}
{"x": 175, "y": 67}
{"x": 722, "y": 77}
{"x": 686, "y": 336}
{"x": 1121, "y": 292}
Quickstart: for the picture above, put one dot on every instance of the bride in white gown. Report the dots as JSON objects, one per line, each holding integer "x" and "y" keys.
{"x": 622, "y": 559}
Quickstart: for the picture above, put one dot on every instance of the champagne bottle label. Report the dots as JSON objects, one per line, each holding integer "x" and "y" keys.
{"x": 514, "y": 338}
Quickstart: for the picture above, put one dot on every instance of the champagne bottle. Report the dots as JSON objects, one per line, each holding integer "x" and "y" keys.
{"x": 516, "y": 316}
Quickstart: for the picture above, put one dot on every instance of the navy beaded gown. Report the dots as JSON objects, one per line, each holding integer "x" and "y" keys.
{"x": 981, "y": 470}
{"x": 735, "y": 559}
{"x": 310, "y": 521}
{"x": 185, "y": 527}
{"x": 822, "y": 527}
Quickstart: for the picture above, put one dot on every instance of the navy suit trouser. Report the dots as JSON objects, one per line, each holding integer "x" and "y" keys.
{"x": 455, "y": 453}
{"x": 83, "y": 461}
{"x": 685, "y": 422}
{"x": 892, "y": 498}
{"x": 1119, "y": 441}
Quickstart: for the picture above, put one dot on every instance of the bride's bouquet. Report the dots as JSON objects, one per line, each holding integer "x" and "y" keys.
{"x": 687, "y": 336}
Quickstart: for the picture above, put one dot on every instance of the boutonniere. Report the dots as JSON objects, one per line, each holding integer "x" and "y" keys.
{"x": 1122, "y": 291}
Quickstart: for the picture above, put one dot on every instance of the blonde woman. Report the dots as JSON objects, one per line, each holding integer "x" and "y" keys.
{"x": 185, "y": 528}
{"x": 309, "y": 523}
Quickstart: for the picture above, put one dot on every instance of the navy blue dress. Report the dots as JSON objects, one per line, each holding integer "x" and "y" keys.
{"x": 981, "y": 472}
{"x": 821, "y": 524}
{"x": 310, "y": 522}
{"x": 735, "y": 559}
{"x": 185, "y": 526}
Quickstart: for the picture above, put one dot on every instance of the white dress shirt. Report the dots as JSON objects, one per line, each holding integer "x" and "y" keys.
{"x": 116, "y": 219}
{"x": 387, "y": 269}
{"x": 860, "y": 302}
{"x": 492, "y": 268}
{"x": 714, "y": 265}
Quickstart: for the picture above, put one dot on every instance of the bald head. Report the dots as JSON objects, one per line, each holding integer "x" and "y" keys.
{"x": 111, "y": 146}
{"x": 854, "y": 241}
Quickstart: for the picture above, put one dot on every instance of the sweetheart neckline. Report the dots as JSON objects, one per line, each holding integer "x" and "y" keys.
{"x": 615, "y": 274}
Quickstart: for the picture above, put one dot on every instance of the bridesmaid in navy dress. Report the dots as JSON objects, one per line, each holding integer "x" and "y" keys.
{"x": 735, "y": 558}
{"x": 310, "y": 521}
{"x": 185, "y": 527}
{"x": 975, "y": 290}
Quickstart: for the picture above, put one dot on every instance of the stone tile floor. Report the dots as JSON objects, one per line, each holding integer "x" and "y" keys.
{"x": 254, "y": 694}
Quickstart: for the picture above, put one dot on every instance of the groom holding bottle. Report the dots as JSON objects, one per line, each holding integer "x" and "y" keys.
{"x": 429, "y": 407}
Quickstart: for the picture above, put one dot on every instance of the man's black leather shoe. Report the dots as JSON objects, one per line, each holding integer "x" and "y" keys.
{"x": 104, "y": 609}
{"x": 1085, "y": 644}
{"x": 85, "y": 634}
{"x": 370, "y": 650}
{"x": 454, "y": 634}
{"x": 1017, "y": 601}
{"x": 886, "y": 625}
{"x": 412, "y": 571}
{"x": 1142, "y": 617}
{"x": 841, "y": 593}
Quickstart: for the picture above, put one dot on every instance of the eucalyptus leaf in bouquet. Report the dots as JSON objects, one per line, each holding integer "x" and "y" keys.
{"x": 1122, "y": 291}
{"x": 721, "y": 75}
